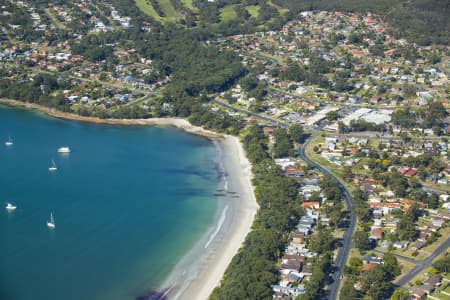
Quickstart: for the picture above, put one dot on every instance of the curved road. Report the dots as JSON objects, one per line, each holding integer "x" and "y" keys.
{"x": 344, "y": 250}
{"x": 259, "y": 116}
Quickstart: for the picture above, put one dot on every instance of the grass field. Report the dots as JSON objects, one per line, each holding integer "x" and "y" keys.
{"x": 170, "y": 14}
{"x": 227, "y": 13}
{"x": 188, "y": 4}
{"x": 253, "y": 10}
{"x": 148, "y": 9}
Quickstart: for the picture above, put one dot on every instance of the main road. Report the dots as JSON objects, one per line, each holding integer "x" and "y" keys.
{"x": 344, "y": 249}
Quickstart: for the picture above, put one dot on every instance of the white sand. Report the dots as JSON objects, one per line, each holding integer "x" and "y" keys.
{"x": 240, "y": 212}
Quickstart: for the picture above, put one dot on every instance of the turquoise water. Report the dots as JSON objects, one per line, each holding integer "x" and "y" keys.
{"x": 128, "y": 203}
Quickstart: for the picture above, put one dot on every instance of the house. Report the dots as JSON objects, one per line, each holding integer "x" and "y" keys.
{"x": 437, "y": 222}
{"x": 410, "y": 173}
{"x": 292, "y": 265}
{"x": 292, "y": 171}
{"x": 428, "y": 289}
{"x": 311, "y": 205}
{"x": 434, "y": 280}
{"x": 376, "y": 233}
{"x": 400, "y": 245}
{"x": 289, "y": 290}
{"x": 369, "y": 259}
{"x": 418, "y": 245}
{"x": 298, "y": 238}
{"x": 307, "y": 221}
{"x": 418, "y": 294}
{"x": 305, "y": 230}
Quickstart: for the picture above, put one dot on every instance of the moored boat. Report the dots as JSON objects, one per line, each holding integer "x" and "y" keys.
{"x": 10, "y": 207}
{"x": 63, "y": 150}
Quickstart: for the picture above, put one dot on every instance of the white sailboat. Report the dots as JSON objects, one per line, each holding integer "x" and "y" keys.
{"x": 64, "y": 150}
{"x": 53, "y": 167}
{"x": 9, "y": 142}
{"x": 51, "y": 223}
{"x": 10, "y": 207}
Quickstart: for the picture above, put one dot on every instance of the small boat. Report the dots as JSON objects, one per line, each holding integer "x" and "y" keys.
{"x": 63, "y": 150}
{"x": 10, "y": 207}
{"x": 51, "y": 223}
{"x": 53, "y": 167}
{"x": 9, "y": 142}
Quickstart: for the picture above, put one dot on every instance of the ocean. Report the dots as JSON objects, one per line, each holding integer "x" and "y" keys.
{"x": 129, "y": 202}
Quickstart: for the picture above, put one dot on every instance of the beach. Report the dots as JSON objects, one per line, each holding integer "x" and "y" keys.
{"x": 201, "y": 270}
{"x": 176, "y": 122}
{"x": 212, "y": 255}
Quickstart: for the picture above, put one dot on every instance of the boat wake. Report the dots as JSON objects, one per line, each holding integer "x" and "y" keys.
{"x": 218, "y": 227}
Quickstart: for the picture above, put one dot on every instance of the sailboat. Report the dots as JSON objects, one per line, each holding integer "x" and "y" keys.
{"x": 9, "y": 142}
{"x": 53, "y": 167}
{"x": 51, "y": 223}
{"x": 10, "y": 207}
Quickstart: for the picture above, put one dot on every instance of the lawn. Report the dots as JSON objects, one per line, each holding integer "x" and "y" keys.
{"x": 148, "y": 9}
{"x": 55, "y": 19}
{"x": 444, "y": 232}
{"x": 168, "y": 9}
{"x": 188, "y": 4}
{"x": 253, "y": 10}
{"x": 334, "y": 168}
{"x": 227, "y": 13}
{"x": 405, "y": 266}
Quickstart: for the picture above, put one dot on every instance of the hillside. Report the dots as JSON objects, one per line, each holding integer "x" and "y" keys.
{"x": 422, "y": 21}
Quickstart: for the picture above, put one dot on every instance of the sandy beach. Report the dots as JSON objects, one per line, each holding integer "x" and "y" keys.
{"x": 203, "y": 267}
{"x": 176, "y": 122}
{"x": 211, "y": 256}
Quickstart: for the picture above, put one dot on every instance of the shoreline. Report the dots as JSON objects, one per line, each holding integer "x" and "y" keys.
{"x": 205, "y": 264}
{"x": 176, "y": 122}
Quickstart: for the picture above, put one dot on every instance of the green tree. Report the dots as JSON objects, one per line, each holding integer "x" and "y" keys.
{"x": 391, "y": 264}
{"x": 297, "y": 133}
{"x": 361, "y": 240}
{"x": 348, "y": 291}
{"x": 400, "y": 294}
{"x": 283, "y": 146}
{"x": 443, "y": 263}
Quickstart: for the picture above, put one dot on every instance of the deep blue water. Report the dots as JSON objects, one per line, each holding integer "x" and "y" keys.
{"x": 128, "y": 203}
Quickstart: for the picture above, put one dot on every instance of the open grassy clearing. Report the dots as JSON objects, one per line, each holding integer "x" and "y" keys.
{"x": 170, "y": 14}
{"x": 148, "y": 9}
{"x": 188, "y": 4}
{"x": 281, "y": 10}
{"x": 253, "y": 10}
{"x": 227, "y": 13}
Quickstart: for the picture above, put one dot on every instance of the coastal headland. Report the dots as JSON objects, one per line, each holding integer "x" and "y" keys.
{"x": 205, "y": 265}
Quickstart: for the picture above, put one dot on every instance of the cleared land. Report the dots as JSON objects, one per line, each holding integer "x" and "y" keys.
{"x": 148, "y": 9}
{"x": 170, "y": 14}
{"x": 227, "y": 13}
{"x": 188, "y": 4}
{"x": 253, "y": 10}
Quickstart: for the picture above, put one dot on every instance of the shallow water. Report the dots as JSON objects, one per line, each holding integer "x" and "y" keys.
{"x": 128, "y": 202}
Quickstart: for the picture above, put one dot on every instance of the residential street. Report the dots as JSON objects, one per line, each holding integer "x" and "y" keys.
{"x": 423, "y": 264}
{"x": 344, "y": 250}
